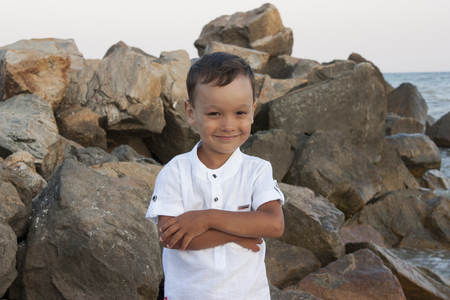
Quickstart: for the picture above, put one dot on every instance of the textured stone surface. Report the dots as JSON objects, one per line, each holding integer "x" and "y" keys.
{"x": 354, "y": 103}
{"x": 34, "y": 72}
{"x": 286, "y": 264}
{"x": 361, "y": 233}
{"x": 439, "y": 132}
{"x": 313, "y": 223}
{"x": 434, "y": 179}
{"x": 89, "y": 239}
{"x": 80, "y": 124}
{"x": 274, "y": 146}
{"x": 356, "y": 276}
{"x": 274, "y": 88}
{"x": 416, "y": 284}
{"x": 437, "y": 218}
{"x": 256, "y": 59}
{"x": 27, "y": 123}
{"x": 323, "y": 72}
{"x": 276, "y": 294}
{"x": 396, "y": 124}
{"x": 406, "y": 101}
{"x": 331, "y": 166}
{"x": 8, "y": 249}
{"x": 418, "y": 152}
{"x": 260, "y": 29}
{"x": 281, "y": 66}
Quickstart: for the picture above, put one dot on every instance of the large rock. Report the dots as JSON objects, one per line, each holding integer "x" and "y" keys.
{"x": 22, "y": 163}
{"x": 89, "y": 239}
{"x": 396, "y": 124}
{"x": 286, "y": 264}
{"x": 275, "y": 146}
{"x": 8, "y": 249}
{"x": 439, "y": 132}
{"x": 394, "y": 174}
{"x": 361, "y": 233}
{"x": 312, "y": 222}
{"x": 260, "y": 29}
{"x": 437, "y": 218}
{"x": 92, "y": 156}
{"x": 276, "y": 294}
{"x": 406, "y": 101}
{"x": 397, "y": 216}
{"x": 34, "y": 72}
{"x": 321, "y": 73}
{"x": 123, "y": 89}
{"x": 418, "y": 152}
{"x": 27, "y": 123}
{"x": 302, "y": 68}
{"x": 359, "y": 59}
{"x": 280, "y": 67}
{"x": 145, "y": 172}
{"x": 356, "y": 276}
{"x": 416, "y": 284}
{"x": 331, "y": 166}
{"x": 127, "y": 154}
{"x": 354, "y": 103}
{"x": 80, "y": 124}
{"x": 256, "y": 59}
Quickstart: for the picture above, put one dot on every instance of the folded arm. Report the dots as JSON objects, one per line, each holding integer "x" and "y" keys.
{"x": 266, "y": 222}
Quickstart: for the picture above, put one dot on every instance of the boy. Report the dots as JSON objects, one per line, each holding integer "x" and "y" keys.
{"x": 214, "y": 204}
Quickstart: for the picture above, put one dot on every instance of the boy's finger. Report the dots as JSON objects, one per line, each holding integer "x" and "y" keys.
{"x": 167, "y": 224}
{"x": 186, "y": 240}
{"x": 168, "y": 232}
{"x": 176, "y": 237}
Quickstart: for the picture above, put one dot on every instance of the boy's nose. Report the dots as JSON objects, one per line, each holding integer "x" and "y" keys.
{"x": 227, "y": 124}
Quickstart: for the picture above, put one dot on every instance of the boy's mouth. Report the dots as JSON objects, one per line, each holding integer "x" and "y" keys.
{"x": 226, "y": 137}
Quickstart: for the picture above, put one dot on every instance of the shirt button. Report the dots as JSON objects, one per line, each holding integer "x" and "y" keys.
{"x": 216, "y": 199}
{"x": 214, "y": 175}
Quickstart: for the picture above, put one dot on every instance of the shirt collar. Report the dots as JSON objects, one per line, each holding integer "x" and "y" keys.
{"x": 229, "y": 168}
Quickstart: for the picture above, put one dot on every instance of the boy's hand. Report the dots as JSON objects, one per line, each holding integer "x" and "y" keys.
{"x": 250, "y": 243}
{"x": 186, "y": 226}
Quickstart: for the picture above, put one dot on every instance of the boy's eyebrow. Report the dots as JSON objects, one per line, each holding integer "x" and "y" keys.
{"x": 212, "y": 106}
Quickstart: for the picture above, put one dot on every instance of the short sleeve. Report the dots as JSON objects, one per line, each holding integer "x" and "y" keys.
{"x": 166, "y": 199}
{"x": 265, "y": 188}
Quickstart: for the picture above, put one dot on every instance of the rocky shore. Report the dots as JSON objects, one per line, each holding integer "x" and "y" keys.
{"x": 82, "y": 141}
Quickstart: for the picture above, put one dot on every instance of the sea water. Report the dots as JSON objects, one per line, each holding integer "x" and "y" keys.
{"x": 435, "y": 89}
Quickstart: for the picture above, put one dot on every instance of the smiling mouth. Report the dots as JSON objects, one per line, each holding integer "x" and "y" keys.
{"x": 226, "y": 138}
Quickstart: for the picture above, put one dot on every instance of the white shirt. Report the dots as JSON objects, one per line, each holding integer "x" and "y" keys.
{"x": 229, "y": 271}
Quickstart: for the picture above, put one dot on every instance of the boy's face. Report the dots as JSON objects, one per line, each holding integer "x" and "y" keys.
{"x": 223, "y": 116}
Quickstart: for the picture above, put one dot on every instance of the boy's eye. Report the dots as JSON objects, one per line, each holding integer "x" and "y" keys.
{"x": 241, "y": 113}
{"x": 213, "y": 114}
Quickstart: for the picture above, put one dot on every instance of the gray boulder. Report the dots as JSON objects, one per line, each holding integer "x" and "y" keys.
{"x": 331, "y": 166}
{"x": 406, "y": 101}
{"x": 260, "y": 29}
{"x": 312, "y": 222}
{"x": 126, "y": 154}
{"x": 434, "y": 179}
{"x": 354, "y": 103}
{"x": 416, "y": 283}
{"x": 321, "y": 73}
{"x": 418, "y": 152}
{"x": 437, "y": 218}
{"x": 280, "y": 67}
{"x": 89, "y": 239}
{"x": 92, "y": 156}
{"x": 275, "y": 146}
{"x": 439, "y": 132}
{"x": 276, "y": 294}
{"x": 27, "y": 123}
{"x": 8, "y": 249}
{"x": 286, "y": 264}
{"x": 396, "y": 124}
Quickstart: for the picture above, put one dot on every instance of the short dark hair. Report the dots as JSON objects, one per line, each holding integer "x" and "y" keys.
{"x": 221, "y": 69}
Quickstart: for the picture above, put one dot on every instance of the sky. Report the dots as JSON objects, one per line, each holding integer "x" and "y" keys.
{"x": 396, "y": 35}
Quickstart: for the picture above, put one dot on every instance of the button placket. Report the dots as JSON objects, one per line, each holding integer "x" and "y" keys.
{"x": 216, "y": 191}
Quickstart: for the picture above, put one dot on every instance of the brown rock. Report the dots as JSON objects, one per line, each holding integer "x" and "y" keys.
{"x": 80, "y": 124}
{"x": 303, "y": 67}
{"x": 357, "y": 276}
{"x": 8, "y": 249}
{"x": 394, "y": 174}
{"x": 332, "y": 167}
{"x": 354, "y": 103}
{"x": 406, "y": 101}
{"x": 359, "y": 59}
{"x": 274, "y": 88}
{"x": 33, "y": 72}
{"x": 145, "y": 172}
{"x": 274, "y": 146}
{"x": 312, "y": 222}
{"x": 439, "y": 132}
{"x": 320, "y": 73}
{"x": 22, "y": 163}
{"x": 286, "y": 264}
{"x": 396, "y": 124}
{"x": 261, "y": 28}
{"x": 280, "y": 67}
{"x": 276, "y": 294}
{"x": 361, "y": 233}
{"x": 437, "y": 218}
{"x": 89, "y": 239}
{"x": 416, "y": 284}
{"x": 27, "y": 123}
{"x": 418, "y": 152}
{"x": 256, "y": 59}
{"x": 433, "y": 179}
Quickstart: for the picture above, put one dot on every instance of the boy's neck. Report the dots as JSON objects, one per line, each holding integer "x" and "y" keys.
{"x": 212, "y": 161}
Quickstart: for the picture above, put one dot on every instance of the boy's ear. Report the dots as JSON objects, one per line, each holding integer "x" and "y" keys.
{"x": 254, "y": 108}
{"x": 189, "y": 112}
